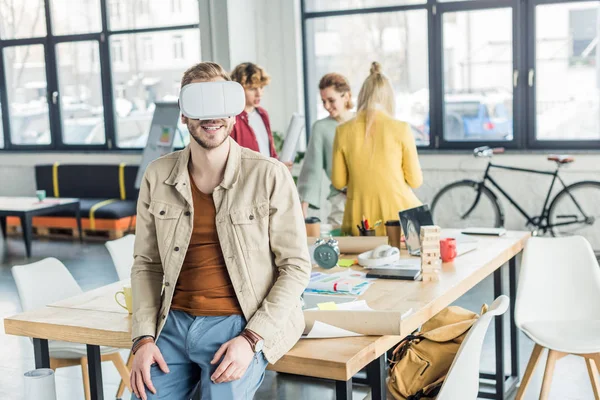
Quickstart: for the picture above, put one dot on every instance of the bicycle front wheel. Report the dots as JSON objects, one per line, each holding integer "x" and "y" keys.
{"x": 457, "y": 206}
{"x": 576, "y": 211}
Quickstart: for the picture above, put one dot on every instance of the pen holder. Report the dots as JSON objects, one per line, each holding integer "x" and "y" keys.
{"x": 367, "y": 232}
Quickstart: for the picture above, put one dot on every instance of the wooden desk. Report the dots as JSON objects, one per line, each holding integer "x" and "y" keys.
{"x": 27, "y": 207}
{"x": 94, "y": 319}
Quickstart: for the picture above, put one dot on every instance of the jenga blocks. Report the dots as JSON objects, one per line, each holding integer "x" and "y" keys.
{"x": 430, "y": 253}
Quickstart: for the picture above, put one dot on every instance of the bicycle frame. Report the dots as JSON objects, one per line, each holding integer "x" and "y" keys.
{"x": 542, "y": 220}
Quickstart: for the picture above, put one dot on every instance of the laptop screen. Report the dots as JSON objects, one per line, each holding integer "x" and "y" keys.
{"x": 412, "y": 220}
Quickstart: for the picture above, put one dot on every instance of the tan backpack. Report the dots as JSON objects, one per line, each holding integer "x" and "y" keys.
{"x": 421, "y": 361}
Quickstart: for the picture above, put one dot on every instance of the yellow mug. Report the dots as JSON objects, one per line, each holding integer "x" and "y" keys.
{"x": 126, "y": 292}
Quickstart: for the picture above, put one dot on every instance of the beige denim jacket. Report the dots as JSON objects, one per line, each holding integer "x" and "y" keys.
{"x": 262, "y": 235}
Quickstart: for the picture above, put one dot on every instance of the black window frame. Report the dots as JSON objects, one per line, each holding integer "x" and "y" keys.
{"x": 51, "y": 68}
{"x": 523, "y": 51}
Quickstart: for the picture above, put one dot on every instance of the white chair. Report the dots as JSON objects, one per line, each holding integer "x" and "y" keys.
{"x": 462, "y": 381}
{"x": 558, "y": 305}
{"x": 121, "y": 252}
{"x": 48, "y": 281}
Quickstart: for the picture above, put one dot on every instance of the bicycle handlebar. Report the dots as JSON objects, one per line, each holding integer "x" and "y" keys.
{"x": 486, "y": 151}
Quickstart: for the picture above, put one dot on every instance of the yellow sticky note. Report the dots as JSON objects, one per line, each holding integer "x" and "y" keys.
{"x": 345, "y": 262}
{"x": 330, "y": 305}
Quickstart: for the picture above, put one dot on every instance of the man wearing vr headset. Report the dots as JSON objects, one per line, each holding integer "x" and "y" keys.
{"x": 221, "y": 258}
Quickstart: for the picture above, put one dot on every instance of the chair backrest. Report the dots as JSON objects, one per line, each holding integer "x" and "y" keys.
{"x": 44, "y": 282}
{"x": 559, "y": 280}
{"x": 121, "y": 251}
{"x": 462, "y": 381}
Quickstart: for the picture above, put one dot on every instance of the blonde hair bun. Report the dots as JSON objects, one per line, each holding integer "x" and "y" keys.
{"x": 375, "y": 68}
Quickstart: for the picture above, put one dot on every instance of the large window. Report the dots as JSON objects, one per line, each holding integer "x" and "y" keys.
{"x": 468, "y": 73}
{"x": 478, "y": 70}
{"x": 26, "y": 90}
{"x": 568, "y": 80}
{"x": 138, "y": 83}
{"x": 59, "y": 72}
{"x": 80, "y": 88}
{"x": 396, "y": 40}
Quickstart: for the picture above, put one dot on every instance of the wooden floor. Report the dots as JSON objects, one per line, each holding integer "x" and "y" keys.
{"x": 92, "y": 267}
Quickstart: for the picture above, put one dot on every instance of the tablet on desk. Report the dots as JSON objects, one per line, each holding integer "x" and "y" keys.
{"x": 404, "y": 274}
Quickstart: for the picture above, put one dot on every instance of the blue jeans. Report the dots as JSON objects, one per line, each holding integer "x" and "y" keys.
{"x": 188, "y": 344}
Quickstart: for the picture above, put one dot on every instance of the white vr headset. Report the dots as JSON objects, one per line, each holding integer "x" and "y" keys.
{"x": 212, "y": 100}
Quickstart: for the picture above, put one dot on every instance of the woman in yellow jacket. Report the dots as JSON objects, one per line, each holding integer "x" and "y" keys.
{"x": 375, "y": 157}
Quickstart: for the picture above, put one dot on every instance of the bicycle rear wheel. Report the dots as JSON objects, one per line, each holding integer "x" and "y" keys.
{"x": 576, "y": 211}
{"x": 450, "y": 206}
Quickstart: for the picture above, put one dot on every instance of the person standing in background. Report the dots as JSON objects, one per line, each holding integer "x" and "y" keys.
{"x": 375, "y": 157}
{"x": 337, "y": 100}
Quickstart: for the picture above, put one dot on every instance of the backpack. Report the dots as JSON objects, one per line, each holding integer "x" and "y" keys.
{"x": 421, "y": 361}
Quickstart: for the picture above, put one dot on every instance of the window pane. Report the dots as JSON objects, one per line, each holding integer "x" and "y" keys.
{"x": 22, "y": 19}
{"x": 567, "y": 80}
{"x": 132, "y": 14}
{"x": 396, "y": 40}
{"x": 1, "y": 132}
{"x": 138, "y": 84}
{"x": 26, "y": 79}
{"x": 71, "y": 17}
{"x": 478, "y": 66}
{"x": 80, "y": 93}
{"x": 331, "y": 5}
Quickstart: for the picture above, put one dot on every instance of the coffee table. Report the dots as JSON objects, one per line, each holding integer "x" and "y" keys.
{"x": 27, "y": 207}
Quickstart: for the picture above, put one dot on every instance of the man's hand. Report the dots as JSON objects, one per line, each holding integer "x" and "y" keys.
{"x": 145, "y": 356}
{"x": 238, "y": 356}
{"x": 289, "y": 164}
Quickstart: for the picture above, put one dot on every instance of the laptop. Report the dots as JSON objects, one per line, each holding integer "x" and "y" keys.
{"x": 412, "y": 220}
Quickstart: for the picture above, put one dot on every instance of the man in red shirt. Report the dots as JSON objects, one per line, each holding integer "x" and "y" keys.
{"x": 252, "y": 127}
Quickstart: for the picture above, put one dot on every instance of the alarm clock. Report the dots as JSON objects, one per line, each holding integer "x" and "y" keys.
{"x": 325, "y": 253}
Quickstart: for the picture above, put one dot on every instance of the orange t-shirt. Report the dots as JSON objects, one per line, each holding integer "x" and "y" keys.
{"x": 204, "y": 287}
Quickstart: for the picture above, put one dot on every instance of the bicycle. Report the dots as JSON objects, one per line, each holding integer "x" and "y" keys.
{"x": 574, "y": 210}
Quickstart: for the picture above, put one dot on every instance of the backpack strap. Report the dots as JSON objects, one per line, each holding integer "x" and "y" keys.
{"x": 429, "y": 391}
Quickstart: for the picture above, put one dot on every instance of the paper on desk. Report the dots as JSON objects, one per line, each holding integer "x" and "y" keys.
{"x": 321, "y": 330}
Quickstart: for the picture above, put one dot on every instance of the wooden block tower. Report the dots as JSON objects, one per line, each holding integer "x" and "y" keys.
{"x": 430, "y": 253}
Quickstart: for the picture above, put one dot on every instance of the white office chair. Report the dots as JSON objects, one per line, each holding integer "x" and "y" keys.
{"x": 121, "y": 252}
{"x": 558, "y": 305}
{"x": 462, "y": 381}
{"x": 48, "y": 281}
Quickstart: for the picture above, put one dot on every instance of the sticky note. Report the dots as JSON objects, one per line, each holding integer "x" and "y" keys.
{"x": 330, "y": 305}
{"x": 345, "y": 262}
